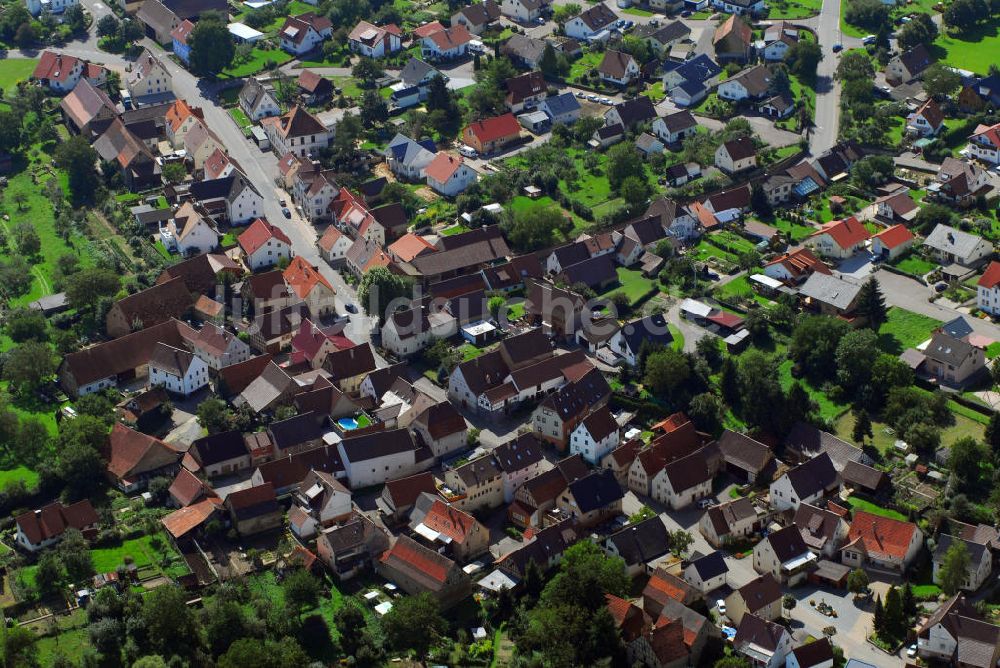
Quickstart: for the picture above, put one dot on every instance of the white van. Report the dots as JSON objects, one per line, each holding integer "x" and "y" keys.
{"x": 468, "y": 151}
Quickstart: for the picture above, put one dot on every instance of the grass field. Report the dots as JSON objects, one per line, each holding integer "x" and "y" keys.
{"x": 633, "y": 285}
{"x": 974, "y": 49}
{"x": 13, "y": 70}
{"x": 241, "y": 119}
{"x": 583, "y": 65}
{"x": 655, "y": 92}
{"x": 22, "y": 474}
{"x": 794, "y": 231}
{"x": 524, "y": 203}
{"x": 347, "y": 85}
{"x": 860, "y": 504}
{"x": 793, "y": 9}
{"x": 635, "y": 11}
{"x": 883, "y": 440}
{"x": 258, "y": 61}
{"x": 828, "y": 408}
{"x": 905, "y": 329}
{"x": 37, "y": 212}
{"x": 915, "y": 265}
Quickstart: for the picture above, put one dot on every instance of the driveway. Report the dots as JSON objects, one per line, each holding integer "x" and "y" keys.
{"x": 909, "y": 294}
{"x": 857, "y": 267}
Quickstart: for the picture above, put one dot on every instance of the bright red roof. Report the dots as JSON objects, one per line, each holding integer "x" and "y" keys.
{"x": 491, "y": 129}
{"x": 895, "y": 236}
{"x": 259, "y": 233}
{"x": 408, "y": 552}
{"x": 449, "y": 521}
{"x": 846, "y": 233}
{"x": 991, "y": 276}
{"x": 302, "y": 277}
{"x": 881, "y": 535}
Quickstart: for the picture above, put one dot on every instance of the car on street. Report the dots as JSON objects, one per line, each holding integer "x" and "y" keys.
{"x": 868, "y": 39}
{"x": 686, "y": 13}
{"x": 721, "y": 605}
{"x": 592, "y": 98}
{"x": 911, "y": 651}
{"x": 351, "y": 307}
{"x": 580, "y": 94}
{"x": 607, "y": 101}
{"x": 282, "y": 202}
{"x": 285, "y": 212}
{"x": 940, "y": 287}
{"x": 838, "y": 47}
{"x": 468, "y": 151}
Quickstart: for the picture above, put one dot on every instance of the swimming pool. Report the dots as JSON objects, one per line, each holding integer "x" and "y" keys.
{"x": 347, "y": 423}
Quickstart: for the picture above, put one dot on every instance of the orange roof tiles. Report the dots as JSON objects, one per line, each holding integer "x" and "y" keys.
{"x": 845, "y": 233}
{"x": 881, "y": 535}
{"x": 491, "y": 129}
{"x": 895, "y": 236}
{"x": 991, "y": 276}
{"x": 259, "y": 233}
{"x": 410, "y": 246}
{"x": 302, "y": 277}
{"x": 443, "y": 166}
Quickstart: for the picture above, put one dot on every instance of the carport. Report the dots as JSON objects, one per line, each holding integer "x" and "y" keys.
{"x": 830, "y": 573}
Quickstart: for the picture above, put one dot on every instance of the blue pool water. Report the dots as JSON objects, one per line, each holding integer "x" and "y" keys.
{"x": 347, "y": 423}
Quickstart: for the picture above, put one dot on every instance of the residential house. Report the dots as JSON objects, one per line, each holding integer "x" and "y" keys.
{"x": 830, "y": 295}
{"x": 730, "y": 521}
{"x": 525, "y": 91}
{"x": 264, "y": 245}
{"x": 706, "y": 573}
{"x": 310, "y": 286}
{"x": 591, "y": 23}
{"x": 254, "y": 510}
{"x": 927, "y": 120}
{"x": 794, "y": 267}
{"x": 179, "y": 37}
{"x": 627, "y": 342}
{"x": 595, "y": 436}
{"x": 866, "y": 480}
{"x": 677, "y": 638}
{"x": 779, "y": 39}
{"x": 685, "y": 480}
{"x": 519, "y": 460}
{"x": 881, "y": 542}
{"x": 892, "y": 242}
{"x": 219, "y": 454}
{"x": 449, "y": 175}
{"x": 663, "y": 37}
{"x": 806, "y": 483}
{"x": 258, "y": 100}
{"x": 477, "y": 17}
{"x": 764, "y": 643}
{"x": 446, "y": 44}
{"x": 373, "y": 458}
{"x": 733, "y": 40}
{"x": 347, "y": 368}
{"x": 749, "y": 461}
{"x": 399, "y": 495}
{"x": 148, "y": 78}
{"x": 909, "y": 65}
{"x": 475, "y": 486}
{"x": 303, "y": 33}
{"x": 556, "y": 417}
{"x": 492, "y": 135}
{"x": 60, "y": 72}
{"x": 785, "y": 555}
{"x": 441, "y": 428}
{"x": 980, "y": 560}
{"x": 199, "y": 145}
{"x": 949, "y": 245}
{"x": 177, "y": 370}
{"x": 814, "y": 654}
{"x": 218, "y": 348}
{"x": 673, "y": 128}
{"x": 523, "y": 11}
{"x": 313, "y": 88}
{"x": 736, "y": 155}
{"x": 119, "y": 146}
{"x": 523, "y": 50}
{"x": 417, "y": 569}
{"x": 664, "y": 587}
{"x": 955, "y": 634}
{"x": 158, "y": 19}
{"x": 959, "y": 182}
{"x": 952, "y": 361}
{"x": 640, "y": 545}
{"x": 298, "y": 132}
{"x": 333, "y": 246}
{"x": 666, "y": 448}
{"x": 804, "y": 442}
{"x": 38, "y": 529}
{"x": 148, "y": 307}
{"x": 352, "y": 546}
{"x": 984, "y": 143}
{"x": 448, "y": 529}
{"x": 630, "y": 113}
{"x": 823, "y": 531}
{"x": 740, "y": 7}
{"x": 750, "y": 84}
{"x": 190, "y": 231}
{"x": 591, "y": 499}
{"x": 618, "y": 68}
{"x": 839, "y": 239}
{"x": 760, "y": 597}
{"x": 409, "y": 159}
{"x": 135, "y": 458}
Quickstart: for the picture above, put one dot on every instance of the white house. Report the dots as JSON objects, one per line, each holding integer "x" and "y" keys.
{"x": 618, "y": 68}
{"x": 590, "y": 23}
{"x": 333, "y": 246}
{"x": 449, "y": 175}
{"x": 806, "y": 483}
{"x": 296, "y": 131}
{"x": 243, "y": 202}
{"x": 374, "y": 458}
{"x": 408, "y": 158}
{"x": 980, "y": 560}
{"x": 706, "y": 573}
{"x": 562, "y": 109}
{"x": 148, "y": 77}
{"x": 988, "y": 289}
{"x": 303, "y": 33}
{"x": 217, "y": 347}
{"x": 523, "y": 11}
{"x": 375, "y": 41}
{"x": 627, "y": 341}
{"x": 595, "y": 436}
{"x": 407, "y": 332}
{"x": 674, "y": 128}
{"x": 736, "y": 155}
{"x": 892, "y": 242}
{"x": 765, "y": 644}
{"x": 984, "y": 143}
{"x": 177, "y": 370}
{"x": 190, "y": 232}
{"x": 38, "y": 529}
{"x": 839, "y": 239}
{"x": 926, "y": 121}
{"x": 785, "y": 555}
{"x": 752, "y": 84}
{"x": 36, "y": 7}
{"x": 264, "y": 245}
{"x": 739, "y": 6}
{"x": 683, "y": 481}
{"x": 815, "y": 654}
{"x": 447, "y": 44}
{"x": 950, "y": 245}
{"x": 258, "y": 100}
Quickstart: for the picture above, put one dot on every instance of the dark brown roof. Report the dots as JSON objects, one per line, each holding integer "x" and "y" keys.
{"x": 53, "y": 520}
{"x": 725, "y": 515}
{"x": 253, "y": 501}
{"x": 377, "y": 444}
{"x": 814, "y": 653}
{"x": 863, "y": 476}
{"x": 200, "y": 272}
{"x": 156, "y": 304}
{"x": 760, "y": 592}
{"x": 787, "y": 543}
{"x": 404, "y": 491}
{"x": 442, "y": 420}
{"x": 218, "y": 448}
{"x": 290, "y": 470}
{"x": 235, "y": 377}
{"x": 643, "y": 542}
{"x": 744, "y": 452}
{"x": 351, "y": 362}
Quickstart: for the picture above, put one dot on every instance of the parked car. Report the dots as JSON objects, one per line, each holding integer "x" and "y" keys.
{"x": 911, "y": 651}
{"x": 285, "y": 212}
{"x": 721, "y": 605}
{"x": 468, "y": 151}
{"x": 351, "y": 307}
{"x": 838, "y": 47}
{"x": 868, "y": 39}
{"x": 704, "y": 503}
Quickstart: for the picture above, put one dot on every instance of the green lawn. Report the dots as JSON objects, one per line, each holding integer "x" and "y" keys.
{"x": 678, "y": 335}
{"x": 583, "y": 65}
{"x": 794, "y": 231}
{"x": 635, "y": 11}
{"x": 349, "y": 86}
{"x": 241, "y": 119}
{"x": 13, "y": 70}
{"x": 454, "y": 229}
{"x": 793, "y": 9}
{"x": 860, "y": 504}
{"x": 905, "y": 329}
{"x": 655, "y": 92}
{"x": 22, "y": 474}
{"x": 915, "y": 265}
{"x": 828, "y": 408}
{"x": 525, "y": 203}
{"x": 258, "y": 61}
{"x": 883, "y": 440}
{"x": 976, "y": 50}
{"x": 633, "y": 285}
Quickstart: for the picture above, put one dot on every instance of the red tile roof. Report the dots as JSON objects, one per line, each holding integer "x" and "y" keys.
{"x": 131, "y": 451}
{"x": 428, "y": 29}
{"x": 443, "y": 166}
{"x": 55, "y": 66}
{"x": 799, "y": 262}
{"x": 302, "y": 277}
{"x": 845, "y": 233}
{"x": 881, "y": 535}
{"x": 179, "y": 112}
{"x": 491, "y": 129}
{"x": 410, "y": 246}
{"x": 449, "y": 521}
{"x": 182, "y": 31}
{"x": 259, "y": 233}
{"x": 895, "y": 236}
{"x": 991, "y": 276}
{"x": 407, "y": 554}
{"x": 990, "y": 132}
{"x": 180, "y": 522}
{"x": 53, "y": 520}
